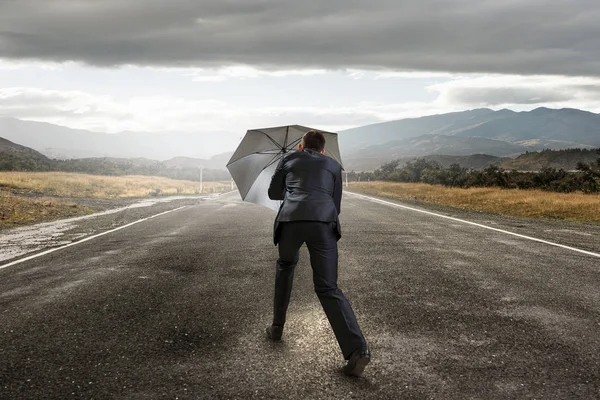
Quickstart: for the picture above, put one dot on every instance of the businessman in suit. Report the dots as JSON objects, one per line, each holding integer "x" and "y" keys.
{"x": 310, "y": 185}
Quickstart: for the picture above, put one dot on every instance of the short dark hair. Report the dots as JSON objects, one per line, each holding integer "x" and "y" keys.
{"x": 313, "y": 140}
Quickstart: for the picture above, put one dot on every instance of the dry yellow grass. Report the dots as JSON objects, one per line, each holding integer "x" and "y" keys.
{"x": 16, "y": 210}
{"x": 514, "y": 202}
{"x": 93, "y": 186}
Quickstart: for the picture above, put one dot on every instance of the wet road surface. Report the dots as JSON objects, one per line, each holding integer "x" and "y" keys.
{"x": 176, "y": 306}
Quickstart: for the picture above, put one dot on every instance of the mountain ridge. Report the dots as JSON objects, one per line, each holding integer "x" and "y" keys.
{"x": 507, "y": 132}
{"x": 502, "y": 133}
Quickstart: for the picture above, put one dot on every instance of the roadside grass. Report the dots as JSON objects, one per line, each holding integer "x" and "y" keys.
{"x": 32, "y": 197}
{"x": 63, "y": 184}
{"x": 513, "y": 202}
{"x": 17, "y": 210}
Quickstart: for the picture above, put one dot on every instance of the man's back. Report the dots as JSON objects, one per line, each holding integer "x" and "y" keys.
{"x": 310, "y": 185}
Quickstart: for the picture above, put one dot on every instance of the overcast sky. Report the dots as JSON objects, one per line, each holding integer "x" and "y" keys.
{"x": 205, "y": 66}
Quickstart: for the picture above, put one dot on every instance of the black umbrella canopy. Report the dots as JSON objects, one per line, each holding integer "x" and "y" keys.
{"x": 254, "y": 161}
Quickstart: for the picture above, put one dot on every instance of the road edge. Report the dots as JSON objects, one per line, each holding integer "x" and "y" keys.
{"x": 390, "y": 203}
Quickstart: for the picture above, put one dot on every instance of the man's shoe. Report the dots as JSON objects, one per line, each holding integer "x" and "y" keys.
{"x": 358, "y": 361}
{"x": 274, "y": 332}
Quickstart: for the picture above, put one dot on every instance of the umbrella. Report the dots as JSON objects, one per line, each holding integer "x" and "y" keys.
{"x": 254, "y": 161}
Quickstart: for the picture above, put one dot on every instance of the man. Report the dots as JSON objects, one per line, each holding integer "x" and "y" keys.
{"x": 310, "y": 185}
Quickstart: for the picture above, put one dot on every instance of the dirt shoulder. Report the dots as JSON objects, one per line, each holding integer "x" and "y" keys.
{"x": 577, "y": 207}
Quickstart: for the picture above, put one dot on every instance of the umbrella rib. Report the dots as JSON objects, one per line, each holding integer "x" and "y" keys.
{"x": 293, "y": 144}
{"x": 270, "y": 151}
{"x": 270, "y": 162}
{"x": 254, "y": 152}
{"x": 271, "y": 139}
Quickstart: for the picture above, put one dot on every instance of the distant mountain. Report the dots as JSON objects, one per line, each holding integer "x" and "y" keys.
{"x": 569, "y": 125}
{"x": 499, "y": 133}
{"x": 63, "y": 143}
{"x": 360, "y": 137}
{"x": 216, "y": 162}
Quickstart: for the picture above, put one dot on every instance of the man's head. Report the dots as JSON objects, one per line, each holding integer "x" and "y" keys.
{"x": 313, "y": 140}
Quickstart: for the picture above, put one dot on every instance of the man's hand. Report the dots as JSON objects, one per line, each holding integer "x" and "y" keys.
{"x": 337, "y": 191}
{"x": 277, "y": 186}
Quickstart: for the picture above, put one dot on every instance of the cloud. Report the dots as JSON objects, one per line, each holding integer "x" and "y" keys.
{"x": 507, "y": 90}
{"x": 82, "y": 110}
{"x": 13, "y": 65}
{"x": 39, "y": 104}
{"x": 245, "y": 72}
{"x": 509, "y": 37}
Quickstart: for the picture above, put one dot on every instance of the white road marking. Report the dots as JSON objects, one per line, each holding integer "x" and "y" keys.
{"x": 10, "y": 264}
{"x": 223, "y": 194}
{"x": 589, "y": 253}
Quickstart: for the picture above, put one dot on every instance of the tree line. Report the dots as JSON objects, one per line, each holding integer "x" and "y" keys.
{"x": 585, "y": 179}
{"x": 100, "y": 166}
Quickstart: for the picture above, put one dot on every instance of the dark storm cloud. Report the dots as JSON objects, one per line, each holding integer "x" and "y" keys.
{"x": 505, "y": 36}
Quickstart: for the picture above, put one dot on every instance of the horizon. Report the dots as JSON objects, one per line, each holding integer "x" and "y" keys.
{"x": 297, "y": 123}
{"x": 349, "y": 143}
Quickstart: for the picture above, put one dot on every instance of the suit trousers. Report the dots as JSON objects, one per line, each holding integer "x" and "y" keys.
{"x": 321, "y": 240}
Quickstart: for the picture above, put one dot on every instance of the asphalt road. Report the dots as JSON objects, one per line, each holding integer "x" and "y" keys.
{"x": 176, "y": 306}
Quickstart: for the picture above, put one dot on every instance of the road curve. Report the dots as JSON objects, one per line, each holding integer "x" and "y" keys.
{"x": 175, "y": 307}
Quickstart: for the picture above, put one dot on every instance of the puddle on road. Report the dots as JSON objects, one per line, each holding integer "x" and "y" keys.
{"x": 23, "y": 240}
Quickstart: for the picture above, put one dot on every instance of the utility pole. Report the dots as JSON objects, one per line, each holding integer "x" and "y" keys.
{"x": 346, "y": 178}
{"x": 231, "y": 183}
{"x": 201, "y": 178}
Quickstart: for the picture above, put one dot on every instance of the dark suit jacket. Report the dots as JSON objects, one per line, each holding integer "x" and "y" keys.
{"x": 310, "y": 185}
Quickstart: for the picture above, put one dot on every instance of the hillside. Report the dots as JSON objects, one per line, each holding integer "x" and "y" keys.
{"x": 15, "y": 157}
{"x": 371, "y": 157}
{"x": 530, "y": 161}
{"x": 565, "y": 159}
{"x": 21, "y": 158}
{"x": 474, "y": 161}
